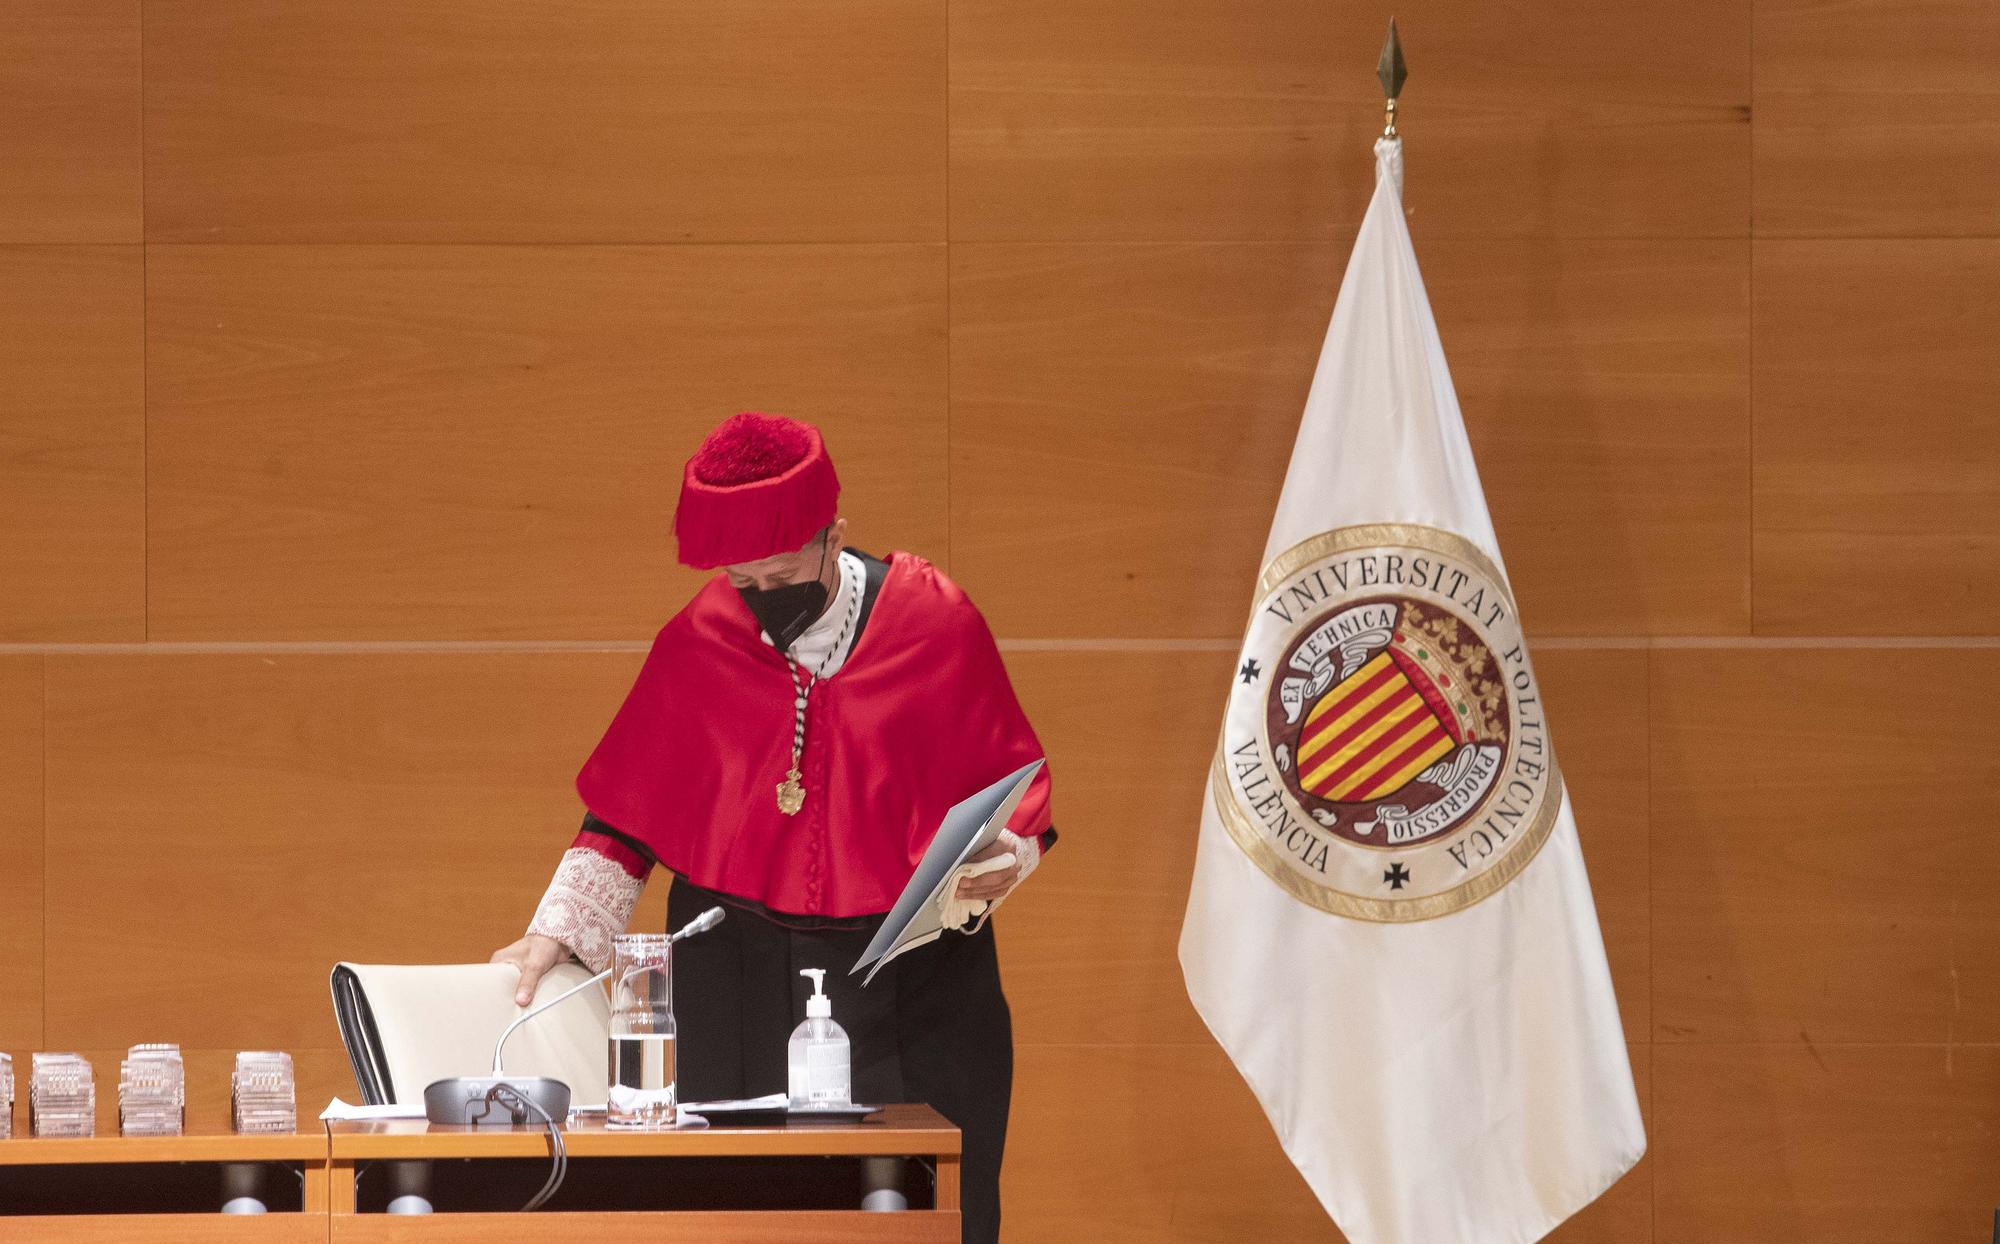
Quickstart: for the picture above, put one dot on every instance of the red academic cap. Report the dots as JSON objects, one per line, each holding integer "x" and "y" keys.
{"x": 760, "y": 485}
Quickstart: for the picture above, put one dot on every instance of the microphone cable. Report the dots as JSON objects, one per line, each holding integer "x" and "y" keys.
{"x": 514, "y": 1099}
{"x": 558, "y": 1152}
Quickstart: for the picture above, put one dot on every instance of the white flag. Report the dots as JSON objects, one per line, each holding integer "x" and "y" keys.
{"x": 1390, "y": 929}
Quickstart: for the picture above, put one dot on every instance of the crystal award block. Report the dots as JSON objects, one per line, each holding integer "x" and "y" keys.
{"x": 152, "y": 1092}
{"x": 6, "y": 1096}
{"x": 263, "y": 1092}
{"x": 62, "y": 1097}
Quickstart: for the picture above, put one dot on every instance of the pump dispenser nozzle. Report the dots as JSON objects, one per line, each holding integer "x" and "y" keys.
{"x": 819, "y": 1006}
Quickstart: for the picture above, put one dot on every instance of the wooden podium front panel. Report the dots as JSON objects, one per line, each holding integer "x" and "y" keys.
{"x": 217, "y": 1146}
{"x": 207, "y": 1142}
{"x": 898, "y": 1131}
{"x": 782, "y": 1227}
{"x": 911, "y": 1131}
{"x": 165, "y": 1229}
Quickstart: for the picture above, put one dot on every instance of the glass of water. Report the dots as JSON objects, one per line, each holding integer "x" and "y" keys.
{"x": 642, "y": 1032}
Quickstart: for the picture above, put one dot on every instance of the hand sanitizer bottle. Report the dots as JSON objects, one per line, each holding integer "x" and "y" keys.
{"x": 818, "y": 1052}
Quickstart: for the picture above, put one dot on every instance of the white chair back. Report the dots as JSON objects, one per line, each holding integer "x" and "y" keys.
{"x": 432, "y": 1021}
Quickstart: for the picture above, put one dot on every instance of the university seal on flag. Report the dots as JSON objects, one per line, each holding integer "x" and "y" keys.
{"x": 1384, "y": 754}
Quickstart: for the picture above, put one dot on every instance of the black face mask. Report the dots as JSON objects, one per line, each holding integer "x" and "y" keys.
{"x": 787, "y": 610}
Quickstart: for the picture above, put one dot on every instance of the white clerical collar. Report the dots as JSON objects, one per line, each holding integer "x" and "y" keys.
{"x": 834, "y": 625}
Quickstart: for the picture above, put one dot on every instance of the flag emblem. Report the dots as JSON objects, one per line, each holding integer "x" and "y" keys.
{"x": 1388, "y": 760}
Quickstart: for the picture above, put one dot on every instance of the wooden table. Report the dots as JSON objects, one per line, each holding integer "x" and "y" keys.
{"x": 208, "y": 1146}
{"x": 328, "y": 1157}
{"x": 907, "y": 1131}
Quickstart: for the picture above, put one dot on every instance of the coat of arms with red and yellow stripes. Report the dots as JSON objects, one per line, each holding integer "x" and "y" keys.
{"x": 1375, "y": 730}
{"x": 1384, "y": 754}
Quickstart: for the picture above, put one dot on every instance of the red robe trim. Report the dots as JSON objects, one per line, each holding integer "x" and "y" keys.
{"x": 919, "y": 716}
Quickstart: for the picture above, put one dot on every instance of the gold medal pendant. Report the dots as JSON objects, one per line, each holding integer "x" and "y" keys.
{"x": 791, "y": 795}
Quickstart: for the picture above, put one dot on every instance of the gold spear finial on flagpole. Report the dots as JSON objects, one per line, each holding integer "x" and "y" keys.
{"x": 1391, "y": 70}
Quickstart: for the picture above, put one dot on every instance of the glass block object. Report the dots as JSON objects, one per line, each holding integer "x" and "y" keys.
{"x": 264, "y": 1092}
{"x": 152, "y": 1092}
{"x": 62, "y": 1096}
{"x": 6, "y": 1096}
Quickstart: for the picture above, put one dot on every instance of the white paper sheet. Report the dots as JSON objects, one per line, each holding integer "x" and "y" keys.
{"x": 338, "y": 1111}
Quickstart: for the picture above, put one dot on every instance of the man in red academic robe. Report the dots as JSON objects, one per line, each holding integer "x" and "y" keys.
{"x": 794, "y": 737}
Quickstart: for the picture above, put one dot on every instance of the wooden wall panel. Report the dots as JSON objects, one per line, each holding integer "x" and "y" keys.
{"x": 374, "y": 807}
{"x": 70, "y": 163}
{"x": 1123, "y": 120}
{"x": 20, "y": 853}
{"x": 486, "y": 442}
{"x": 1597, "y": 702}
{"x": 1877, "y": 119}
{"x": 1823, "y": 846}
{"x": 1088, "y": 943}
{"x": 1606, "y": 388}
{"x": 601, "y": 121}
{"x": 1164, "y": 1144}
{"x": 1122, "y": 416}
{"x": 1139, "y": 1143}
{"x": 72, "y": 432}
{"x": 1877, "y": 451}
{"x": 1833, "y": 1144}
{"x": 1121, "y": 419}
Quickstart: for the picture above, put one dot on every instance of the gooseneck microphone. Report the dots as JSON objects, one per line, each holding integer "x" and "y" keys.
{"x": 700, "y": 924}
{"x": 501, "y": 1100}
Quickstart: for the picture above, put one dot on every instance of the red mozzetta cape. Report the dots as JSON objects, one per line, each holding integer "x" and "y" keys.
{"x": 919, "y": 716}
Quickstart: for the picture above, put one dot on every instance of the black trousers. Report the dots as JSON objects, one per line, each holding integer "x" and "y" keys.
{"x": 933, "y": 1027}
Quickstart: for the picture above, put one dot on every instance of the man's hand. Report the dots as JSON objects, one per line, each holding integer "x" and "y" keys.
{"x": 994, "y": 885}
{"x": 534, "y": 955}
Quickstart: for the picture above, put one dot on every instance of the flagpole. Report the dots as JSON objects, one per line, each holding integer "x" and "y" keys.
{"x": 1392, "y": 72}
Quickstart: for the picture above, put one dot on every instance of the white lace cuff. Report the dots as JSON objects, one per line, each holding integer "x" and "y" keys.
{"x": 1029, "y": 852}
{"x": 590, "y": 899}
{"x": 1029, "y": 849}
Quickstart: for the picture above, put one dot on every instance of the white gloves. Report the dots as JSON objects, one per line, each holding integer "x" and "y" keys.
{"x": 956, "y": 911}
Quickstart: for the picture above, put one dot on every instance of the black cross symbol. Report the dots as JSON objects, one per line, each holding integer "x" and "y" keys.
{"x": 1396, "y": 876}
{"x": 1249, "y": 671}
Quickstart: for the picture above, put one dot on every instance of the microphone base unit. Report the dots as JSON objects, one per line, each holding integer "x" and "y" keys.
{"x": 470, "y": 1100}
